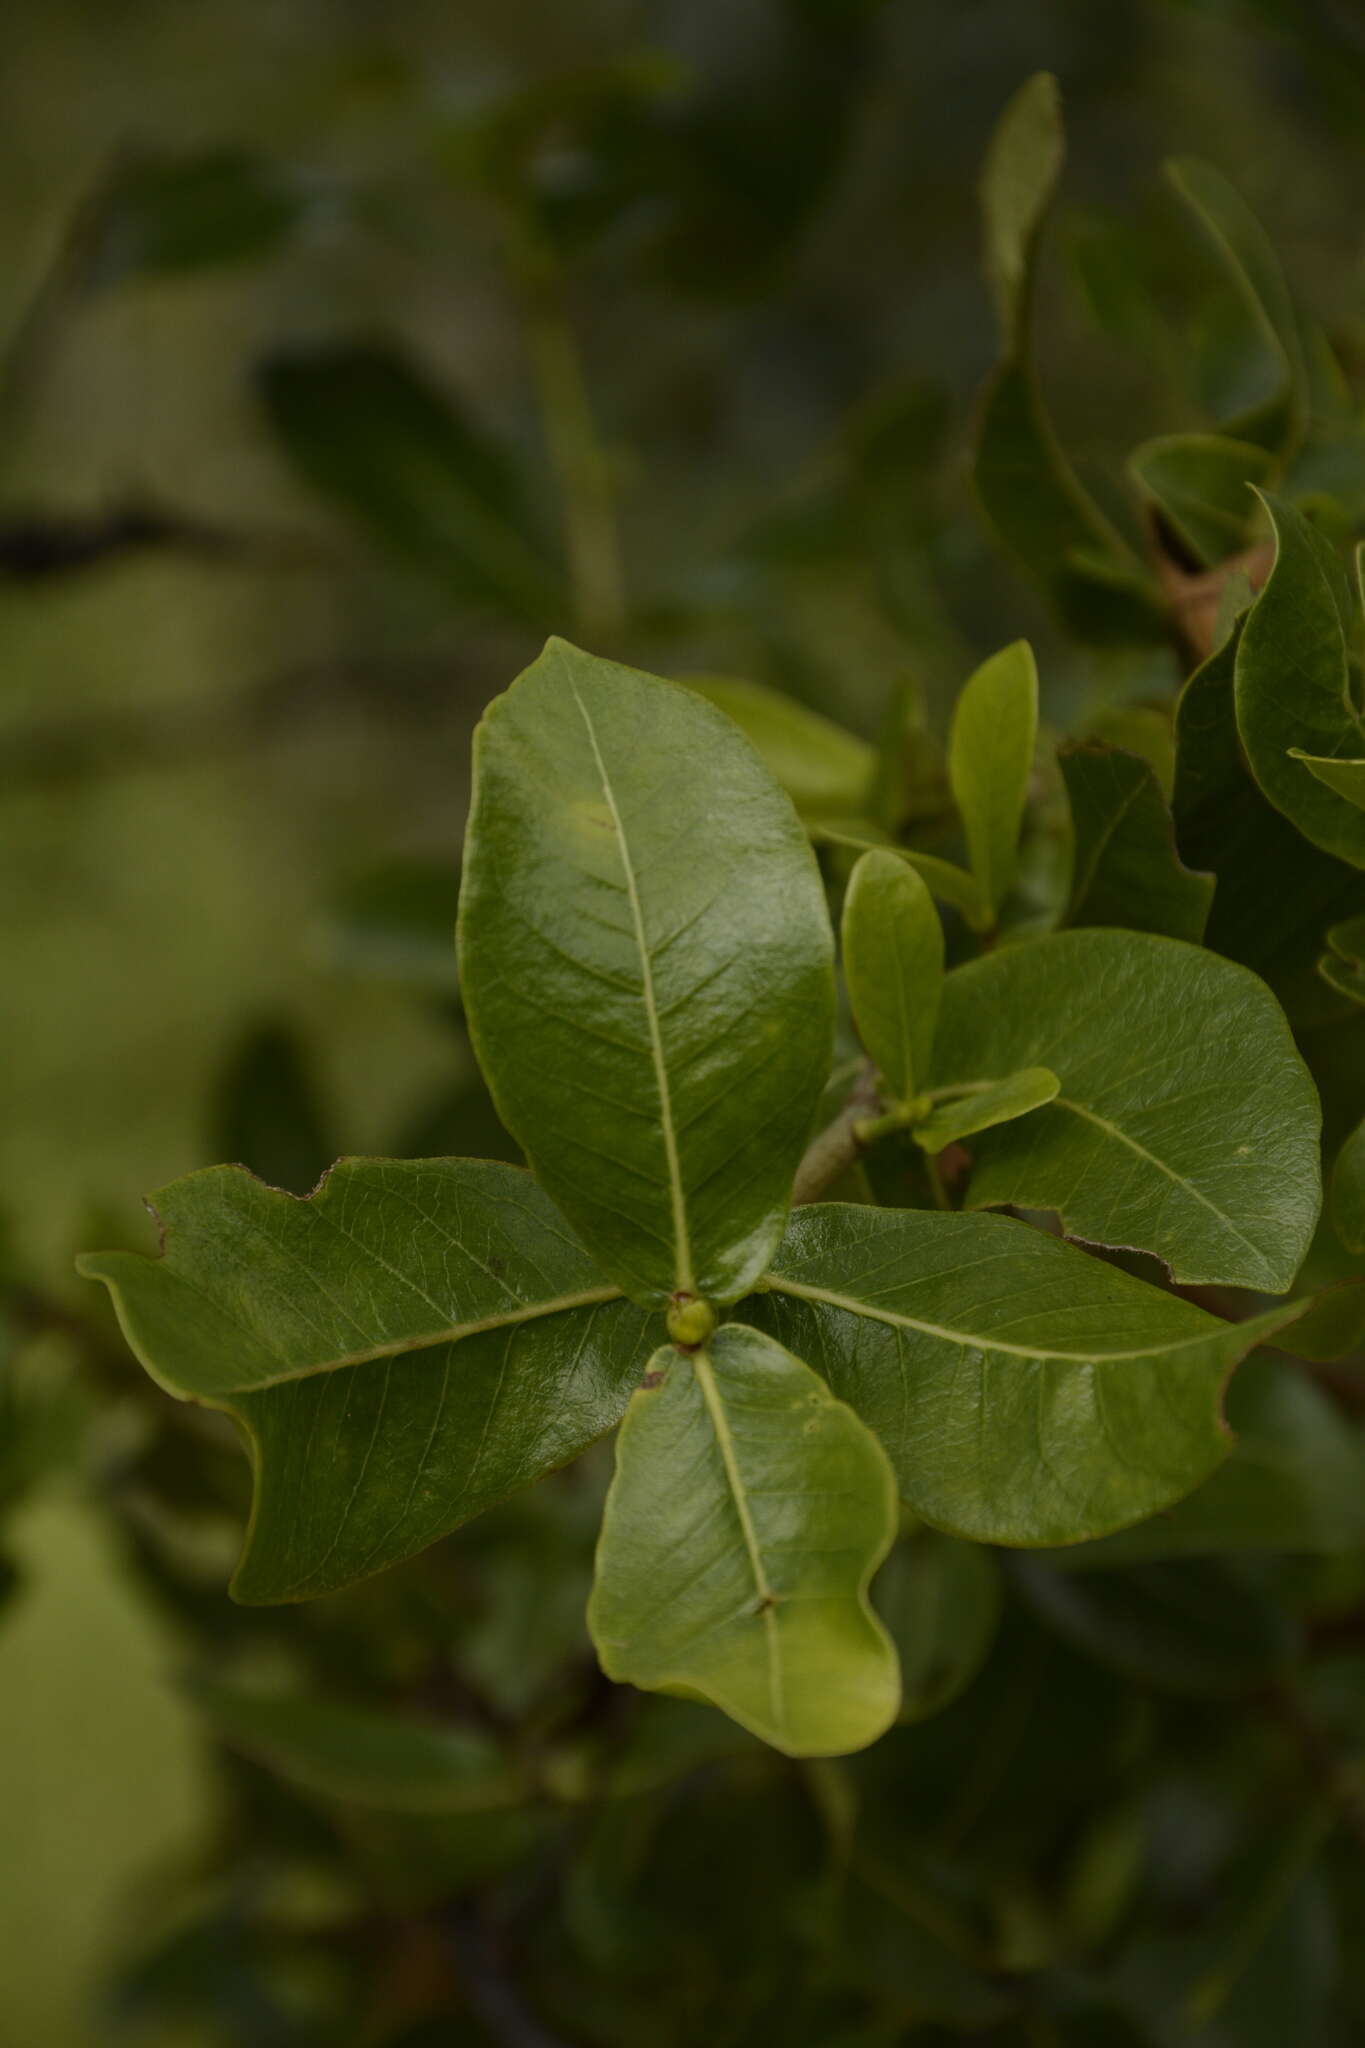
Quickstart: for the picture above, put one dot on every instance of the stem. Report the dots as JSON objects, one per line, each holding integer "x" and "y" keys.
{"x": 942, "y": 1199}
{"x": 829, "y": 1155}
{"x": 581, "y": 463}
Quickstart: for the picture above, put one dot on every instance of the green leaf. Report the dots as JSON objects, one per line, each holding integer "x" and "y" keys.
{"x": 1271, "y": 411}
{"x": 395, "y": 923}
{"x": 940, "y": 1599}
{"x": 950, "y": 883}
{"x": 362, "y": 1758}
{"x": 413, "y": 1342}
{"x": 1187, "y": 1124}
{"x": 163, "y": 215}
{"x": 267, "y": 1114}
{"x": 1342, "y": 967}
{"x": 825, "y": 770}
{"x": 990, "y": 760}
{"x": 646, "y": 963}
{"x": 367, "y": 430}
{"x": 1027, "y": 1394}
{"x": 1295, "y": 1480}
{"x": 995, "y": 1102}
{"x": 1347, "y": 1202}
{"x": 893, "y": 966}
{"x": 1199, "y": 485}
{"x": 1294, "y": 677}
{"x": 747, "y": 1516}
{"x": 1347, "y": 778}
{"x": 1275, "y": 893}
{"x": 1026, "y": 487}
{"x": 1126, "y": 870}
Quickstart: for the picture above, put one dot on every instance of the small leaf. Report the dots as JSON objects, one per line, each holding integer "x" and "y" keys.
{"x": 1026, "y": 486}
{"x": 1272, "y": 415}
{"x": 1026, "y": 1393}
{"x": 748, "y": 1514}
{"x": 163, "y": 215}
{"x": 994, "y": 1102}
{"x": 1348, "y": 1191}
{"x": 1199, "y": 485}
{"x": 950, "y": 883}
{"x": 646, "y": 963}
{"x": 990, "y": 760}
{"x": 1126, "y": 870}
{"x": 1186, "y": 1124}
{"x": 1294, "y": 682}
{"x": 403, "y": 1349}
{"x": 940, "y": 1599}
{"x": 367, "y": 430}
{"x": 398, "y": 1765}
{"x": 825, "y": 770}
{"x": 893, "y": 965}
{"x": 1347, "y": 778}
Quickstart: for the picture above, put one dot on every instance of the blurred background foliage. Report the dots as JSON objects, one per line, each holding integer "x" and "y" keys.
{"x": 343, "y": 354}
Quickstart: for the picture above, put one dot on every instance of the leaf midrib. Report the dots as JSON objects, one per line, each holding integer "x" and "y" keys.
{"x": 682, "y": 1243}
{"x": 851, "y": 1305}
{"x": 766, "y": 1598}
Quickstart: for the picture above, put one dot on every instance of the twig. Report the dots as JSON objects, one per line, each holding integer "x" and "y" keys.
{"x": 830, "y": 1154}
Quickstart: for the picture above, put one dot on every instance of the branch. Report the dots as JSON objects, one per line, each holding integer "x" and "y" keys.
{"x": 830, "y": 1155}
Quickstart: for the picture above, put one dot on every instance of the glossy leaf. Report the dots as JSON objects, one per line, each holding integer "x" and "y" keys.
{"x": 415, "y": 1341}
{"x": 1294, "y": 685}
{"x": 646, "y": 965}
{"x": 826, "y": 770}
{"x": 748, "y": 1514}
{"x": 990, "y": 760}
{"x": 1200, "y": 485}
{"x": 1271, "y": 414}
{"x": 1027, "y": 1394}
{"x": 1295, "y": 1479}
{"x": 1125, "y": 869}
{"x": 998, "y": 1102}
{"x": 893, "y": 968}
{"x": 368, "y": 431}
{"x": 361, "y": 1757}
{"x": 1186, "y": 1124}
{"x": 1348, "y": 1191}
{"x": 940, "y": 1599}
{"x": 1346, "y": 778}
{"x": 1027, "y": 488}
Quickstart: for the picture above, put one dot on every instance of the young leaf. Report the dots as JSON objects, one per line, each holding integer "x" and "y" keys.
{"x": 1293, "y": 686}
{"x": 1342, "y": 966}
{"x": 990, "y": 760}
{"x": 1272, "y": 355}
{"x": 1348, "y": 1191}
{"x": 1126, "y": 870}
{"x": 1186, "y": 1125}
{"x": 893, "y": 965}
{"x": 1199, "y": 483}
{"x": 367, "y": 430}
{"x": 826, "y": 770}
{"x": 403, "y": 1349}
{"x": 1026, "y": 486}
{"x": 646, "y": 965}
{"x": 1026, "y": 1393}
{"x": 951, "y": 884}
{"x": 1347, "y": 778}
{"x": 997, "y": 1102}
{"x": 394, "y": 1763}
{"x": 747, "y": 1516}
